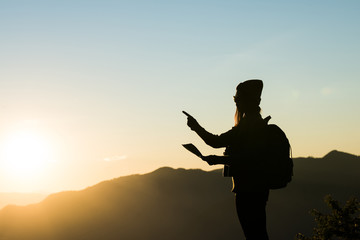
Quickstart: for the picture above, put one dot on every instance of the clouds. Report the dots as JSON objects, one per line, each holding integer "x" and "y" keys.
{"x": 115, "y": 158}
{"x": 295, "y": 94}
{"x": 324, "y": 92}
{"x": 327, "y": 91}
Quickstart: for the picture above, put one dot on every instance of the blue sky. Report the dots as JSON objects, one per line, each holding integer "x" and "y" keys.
{"x": 109, "y": 79}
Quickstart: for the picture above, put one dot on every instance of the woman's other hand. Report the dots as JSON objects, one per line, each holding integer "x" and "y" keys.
{"x": 211, "y": 159}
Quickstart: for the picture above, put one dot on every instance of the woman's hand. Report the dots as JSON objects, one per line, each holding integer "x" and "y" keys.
{"x": 191, "y": 122}
{"x": 211, "y": 159}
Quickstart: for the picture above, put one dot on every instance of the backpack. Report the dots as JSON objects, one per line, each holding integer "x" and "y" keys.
{"x": 277, "y": 170}
{"x": 279, "y": 161}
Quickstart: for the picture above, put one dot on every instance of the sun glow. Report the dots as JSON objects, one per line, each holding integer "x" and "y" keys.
{"x": 25, "y": 155}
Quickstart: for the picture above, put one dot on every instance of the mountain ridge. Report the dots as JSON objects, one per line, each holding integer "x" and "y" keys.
{"x": 337, "y": 154}
{"x": 334, "y": 154}
{"x": 170, "y": 203}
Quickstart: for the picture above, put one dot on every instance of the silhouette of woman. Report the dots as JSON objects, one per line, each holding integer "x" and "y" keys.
{"x": 243, "y": 158}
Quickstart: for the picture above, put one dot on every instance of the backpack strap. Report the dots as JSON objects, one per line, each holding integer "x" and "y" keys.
{"x": 267, "y": 119}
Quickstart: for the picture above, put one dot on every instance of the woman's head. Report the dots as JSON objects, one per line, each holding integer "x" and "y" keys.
{"x": 247, "y": 98}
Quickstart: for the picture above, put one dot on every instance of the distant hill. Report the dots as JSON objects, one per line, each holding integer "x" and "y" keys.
{"x": 20, "y": 198}
{"x": 180, "y": 204}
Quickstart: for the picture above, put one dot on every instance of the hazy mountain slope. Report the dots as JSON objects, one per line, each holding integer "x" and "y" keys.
{"x": 179, "y": 204}
{"x": 20, "y": 198}
{"x": 165, "y": 204}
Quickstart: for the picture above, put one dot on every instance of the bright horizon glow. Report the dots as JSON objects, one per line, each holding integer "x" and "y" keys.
{"x": 26, "y": 156}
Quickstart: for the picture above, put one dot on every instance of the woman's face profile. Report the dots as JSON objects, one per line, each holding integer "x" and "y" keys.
{"x": 238, "y": 101}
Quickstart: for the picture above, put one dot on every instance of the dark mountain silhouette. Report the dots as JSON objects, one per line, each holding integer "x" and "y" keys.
{"x": 180, "y": 204}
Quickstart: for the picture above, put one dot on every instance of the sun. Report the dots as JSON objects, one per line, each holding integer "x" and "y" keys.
{"x": 25, "y": 154}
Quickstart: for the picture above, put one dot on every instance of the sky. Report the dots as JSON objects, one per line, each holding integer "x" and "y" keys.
{"x": 93, "y": 90}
